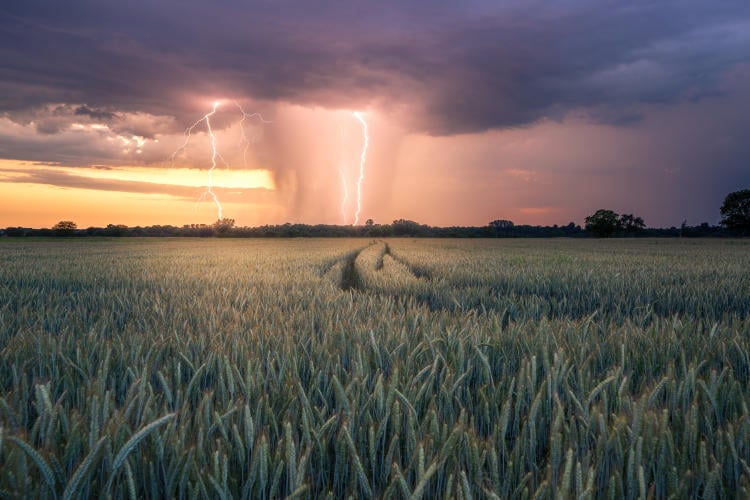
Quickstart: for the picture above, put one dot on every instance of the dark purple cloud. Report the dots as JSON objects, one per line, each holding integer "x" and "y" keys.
{"x": 447, "y": 68}
{"x": 96, "y": 114}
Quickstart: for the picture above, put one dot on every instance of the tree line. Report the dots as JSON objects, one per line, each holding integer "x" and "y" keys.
{"x": 400, "y": 227}
{"x": 735, "y": 213}
{"x": 226, "y": 228}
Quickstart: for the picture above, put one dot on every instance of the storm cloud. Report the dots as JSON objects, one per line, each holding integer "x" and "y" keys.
{"x": 445, "y": 68}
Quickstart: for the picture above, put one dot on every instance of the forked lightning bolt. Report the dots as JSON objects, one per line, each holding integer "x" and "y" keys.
{"x": 244, "y": 139}
{"x": 214, "y": 151}
{"x": 214, "y": 154}
{"x": 362, "y": 159}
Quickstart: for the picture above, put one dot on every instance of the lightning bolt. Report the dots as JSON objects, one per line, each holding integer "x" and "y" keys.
{"x": 362, "y": 159}
{"x": 214, "y": 154}
{"x": 243, "y": 134}
{"x": 214, "y": 151}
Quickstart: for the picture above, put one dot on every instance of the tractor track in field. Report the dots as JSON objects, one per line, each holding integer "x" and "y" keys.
{"x": 418, "y": 273}
{"x": 350, "y": 279}
{"x": 343, "y": 273}
{"x": 429, "y": 290}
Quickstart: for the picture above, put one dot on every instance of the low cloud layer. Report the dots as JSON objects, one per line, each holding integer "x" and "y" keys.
{"x": 66, "y": 179}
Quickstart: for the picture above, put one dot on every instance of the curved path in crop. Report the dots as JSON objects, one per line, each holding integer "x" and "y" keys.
{"x": 349, "y": 277}
{"x": 344, "y": 272}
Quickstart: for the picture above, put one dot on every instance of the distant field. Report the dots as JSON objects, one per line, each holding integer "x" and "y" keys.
{"x": 223, "y": 368}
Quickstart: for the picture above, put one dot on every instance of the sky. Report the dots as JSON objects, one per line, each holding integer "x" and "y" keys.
{"x": 536, "y": 111}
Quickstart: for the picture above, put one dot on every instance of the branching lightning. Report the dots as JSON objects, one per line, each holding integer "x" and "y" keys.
{"x": 362, "y": 159}
{"x": 214, "y": 151}
{"x": 243, "y": 138}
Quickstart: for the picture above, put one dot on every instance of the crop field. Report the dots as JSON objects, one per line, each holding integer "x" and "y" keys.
{"x": 398, "y": 368}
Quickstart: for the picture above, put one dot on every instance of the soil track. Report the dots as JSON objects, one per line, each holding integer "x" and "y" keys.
{"x": 349, "y": 276}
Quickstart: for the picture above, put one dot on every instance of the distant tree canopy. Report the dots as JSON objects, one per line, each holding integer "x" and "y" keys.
{"x": 65, "y": 227}
{"x": 502, "y": 224}
{"x": 629, "y": 223}
{"x": 605, "y": 223}
{"x": 626, "y": 224}
{"x": 735, "y": 212}
{"x": 405, "y": 227}
{"x": 223, "y": 226}
{"x": 602, "y": 222}
{"x": 116, "y": 230}
{"x": 500, "y": 228}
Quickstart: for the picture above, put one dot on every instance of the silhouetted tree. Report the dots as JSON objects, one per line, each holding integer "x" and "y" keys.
{"x": 223, "y": 226}
{"x": 405, "y": 227}
{"x": 571, "y": 229}
{"x": 631, "y": 224}
{"x": 116, "y": 230}
{"x": 735, "y": 212}
{"x": 502, "y": 224}
{"x": 499, "y": 228}
{"x": 15, "y": 231}
{"x": 603, "y": 223}
{"x": 369, "y": 222}
{"x": 65, "y": 228}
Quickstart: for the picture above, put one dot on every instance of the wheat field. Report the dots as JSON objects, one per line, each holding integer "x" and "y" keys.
{"x": 355, "y": 368}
